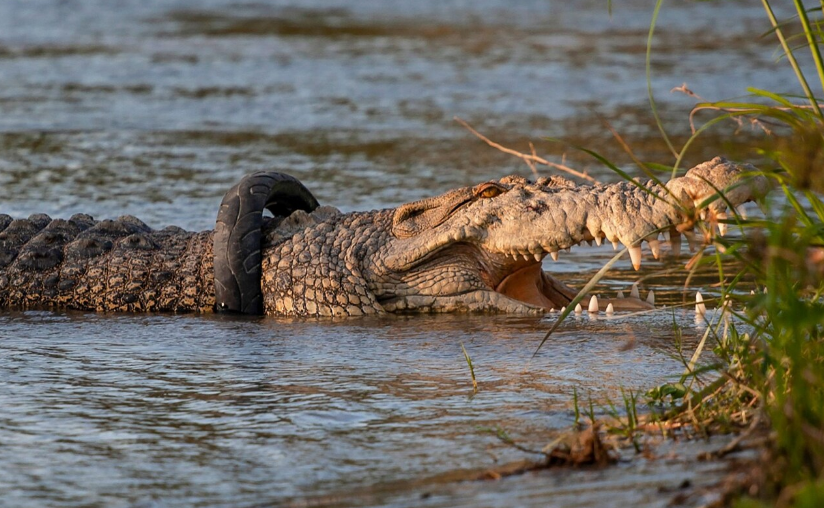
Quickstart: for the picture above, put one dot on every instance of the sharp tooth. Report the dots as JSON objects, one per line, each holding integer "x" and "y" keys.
{"x": 563, "y": 309}
{"x": 700, "y": 308}
{"x": 633, "y": 293}
{"x": 615, "y": 245}
{"x": 537, "y": 257}
{"x": 722, "y": 227}
{"x": 752, "y": 291}
{"x": 675, "y": 243}
{"x": 578, "y": 309}
{"x": 593, "y": 305}
{"x": 651, "y": 298}
{"x": 655, "y": 247}
{"x": 568, "y": 249}
{"x": 620, "y": 294}
{"x": 741, "y": 211}
{"x": 610, "y": 309}
{"x": 598, "y": 240}
{"x": 554, "y": 255}
{"x": 702, "y": 215}
{"x": 635, "y": 256}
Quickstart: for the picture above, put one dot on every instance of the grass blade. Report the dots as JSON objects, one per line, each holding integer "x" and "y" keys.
{"x": 589, "y": 285}
{"x": 471, "y": 368}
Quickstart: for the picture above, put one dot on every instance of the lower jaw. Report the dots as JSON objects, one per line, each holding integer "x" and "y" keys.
{"x": 534, "y": 287}
{"x": 479, "y": 301}
{"x": 489, "y": 301}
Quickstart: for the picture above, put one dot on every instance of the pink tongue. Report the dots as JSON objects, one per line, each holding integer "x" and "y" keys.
{"x": 525, "y": 285}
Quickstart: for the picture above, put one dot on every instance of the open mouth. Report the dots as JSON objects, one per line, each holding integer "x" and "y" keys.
{"x": 521, "y": 277}
{"x": 533, "y": 286}
{"x": 517, "y": 276}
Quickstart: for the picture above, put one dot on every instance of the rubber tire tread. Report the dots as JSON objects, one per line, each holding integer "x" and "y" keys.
{"x": 238, "y": 235}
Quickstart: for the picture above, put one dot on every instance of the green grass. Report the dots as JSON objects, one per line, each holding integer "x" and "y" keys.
{"x": 761, "y": 360}
{"x": 471, "y": 369}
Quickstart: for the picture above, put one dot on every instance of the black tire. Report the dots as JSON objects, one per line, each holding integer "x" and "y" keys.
{"x": 238, "y": 235}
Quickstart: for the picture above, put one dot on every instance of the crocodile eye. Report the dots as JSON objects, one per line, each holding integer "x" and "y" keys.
{"x": 489, "y": 190}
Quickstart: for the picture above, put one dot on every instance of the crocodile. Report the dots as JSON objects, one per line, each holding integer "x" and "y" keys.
{"x": 473, "y": 249}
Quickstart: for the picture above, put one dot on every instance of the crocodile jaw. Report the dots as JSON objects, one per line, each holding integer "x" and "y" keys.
{"x": 464, "y": 277}
{"x": 512, "y": 232}
{"x": 533, "y": 286}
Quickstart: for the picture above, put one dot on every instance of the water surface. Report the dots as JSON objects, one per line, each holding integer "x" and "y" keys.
{"x": 154, "y": 108}
{"x": 204, "y": 410}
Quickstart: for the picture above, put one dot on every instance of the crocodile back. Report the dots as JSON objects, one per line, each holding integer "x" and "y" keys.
{"x": 108, "y": 265}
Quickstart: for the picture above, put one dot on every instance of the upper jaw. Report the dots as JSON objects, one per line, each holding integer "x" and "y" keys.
{"x": 551, "y": 220}
{"x": 531, "y": 220}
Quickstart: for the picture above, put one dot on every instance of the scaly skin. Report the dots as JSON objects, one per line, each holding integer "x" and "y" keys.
{"x": 120, "y": 265}
{"x": 475, "y": 249}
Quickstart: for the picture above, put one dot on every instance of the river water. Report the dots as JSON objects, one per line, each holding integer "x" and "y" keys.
{"x": 155, "y": 107}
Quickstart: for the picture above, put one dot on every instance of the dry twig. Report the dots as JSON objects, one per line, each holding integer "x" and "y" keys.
{"x": 530, "y": 160}
{"x": 733, "y": 445}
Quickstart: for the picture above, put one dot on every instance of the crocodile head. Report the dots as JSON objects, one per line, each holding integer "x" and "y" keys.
{"x": 481, "y": 248}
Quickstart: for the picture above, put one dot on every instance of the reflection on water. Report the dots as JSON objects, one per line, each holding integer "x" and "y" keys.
{"x": 201, "y": 410}
{"x": 154, "y": 108}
